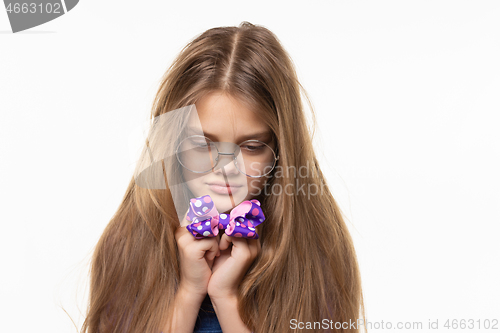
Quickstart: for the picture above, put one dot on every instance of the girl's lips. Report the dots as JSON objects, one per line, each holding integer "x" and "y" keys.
{"x": 223, "y": 189}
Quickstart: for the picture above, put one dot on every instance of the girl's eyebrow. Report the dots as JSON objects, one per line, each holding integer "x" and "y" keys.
{"x": 256, "y": 136}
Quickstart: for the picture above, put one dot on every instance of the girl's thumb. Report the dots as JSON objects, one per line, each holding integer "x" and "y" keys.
{"x": 210, "y": 262}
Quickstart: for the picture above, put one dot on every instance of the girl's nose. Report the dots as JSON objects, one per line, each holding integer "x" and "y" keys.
{"x": 226, "y": 158}
{"x": 226, "y": 162}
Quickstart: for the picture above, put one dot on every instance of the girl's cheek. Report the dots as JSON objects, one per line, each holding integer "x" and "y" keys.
{"x": 194, "y": 183}
{"x": 255, "y": 186}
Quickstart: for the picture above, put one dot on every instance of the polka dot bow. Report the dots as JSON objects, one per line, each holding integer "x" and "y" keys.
{"x": 206, "y": 221}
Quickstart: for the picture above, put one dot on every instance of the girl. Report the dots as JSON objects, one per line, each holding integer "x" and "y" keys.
{"x": 229, "y": 128}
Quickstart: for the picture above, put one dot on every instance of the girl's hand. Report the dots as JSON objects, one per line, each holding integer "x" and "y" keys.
{"x": 196, "y": 260}
{"x": 231, "y": 265}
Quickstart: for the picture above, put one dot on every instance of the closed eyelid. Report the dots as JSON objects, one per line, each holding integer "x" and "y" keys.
{"x": 261, "y": 136}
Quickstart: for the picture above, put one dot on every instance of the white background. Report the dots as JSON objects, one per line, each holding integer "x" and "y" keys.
{"x": 407, "y": 101}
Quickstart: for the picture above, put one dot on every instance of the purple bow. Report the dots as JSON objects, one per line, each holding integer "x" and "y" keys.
{"x": 240, "y": 222}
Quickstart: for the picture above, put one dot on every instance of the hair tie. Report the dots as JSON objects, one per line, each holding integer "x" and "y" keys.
{"x": 240, "y": 222}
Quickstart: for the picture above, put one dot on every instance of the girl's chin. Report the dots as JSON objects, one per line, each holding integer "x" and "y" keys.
{"x": 225, "y": 206}
{"x": 222, "y": 202}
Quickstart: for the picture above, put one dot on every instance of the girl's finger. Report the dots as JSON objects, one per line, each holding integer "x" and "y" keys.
{"x": 225, "y": 240}
{"x": 210, "y": 262}
{"x": 239, "y": 244}
{"x": 212, "y": 251}
{"x": 205, "y": 247}
{"x": 254, "y": 246}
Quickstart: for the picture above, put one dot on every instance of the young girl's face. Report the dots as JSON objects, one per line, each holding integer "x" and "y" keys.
{"x": 223, "y": 120}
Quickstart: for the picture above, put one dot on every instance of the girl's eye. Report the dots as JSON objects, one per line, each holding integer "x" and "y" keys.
{"x": 252, "y": 148}
{"x": 199, "y": 144}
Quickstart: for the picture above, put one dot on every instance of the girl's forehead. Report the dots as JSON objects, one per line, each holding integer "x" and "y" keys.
{"x": 225, "y": 117}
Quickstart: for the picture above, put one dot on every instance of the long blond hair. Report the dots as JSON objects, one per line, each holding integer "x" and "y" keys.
{"x": 307, "y": 269}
